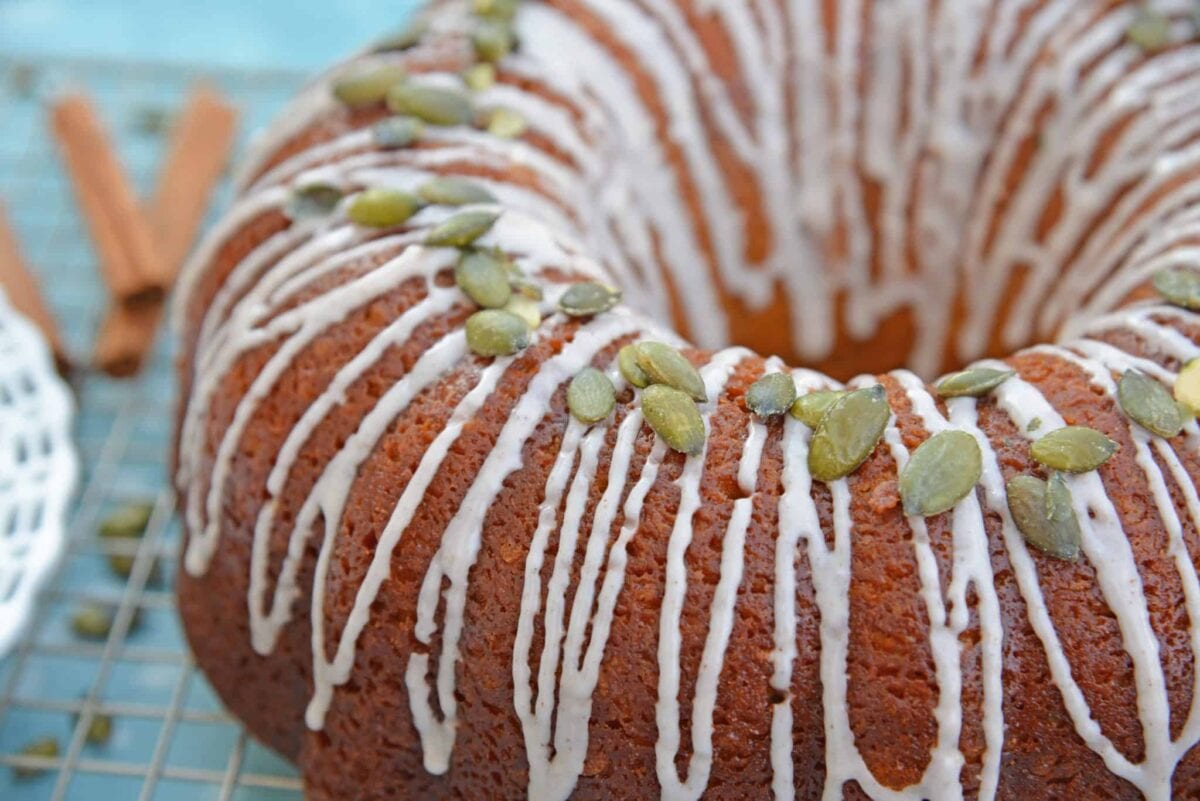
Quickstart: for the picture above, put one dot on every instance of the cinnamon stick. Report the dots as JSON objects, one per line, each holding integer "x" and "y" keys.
{"x": 129, "y": 257}
{"x": 25, "y": 294}
{"x": 201, "y": 142}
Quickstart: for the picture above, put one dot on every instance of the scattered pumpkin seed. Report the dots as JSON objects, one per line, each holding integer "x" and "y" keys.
{"x": 1034, "y": 424}
{"x": 480, "y": 76}
{"x": 674, "y": 417}
{"x": 1180, "y": 286}
{"x": 665, "y": 365}
{"x": 627, "y": 362}
{"x": 526, "y": 308}
{"x": 379, "y": 207}
{"x": 312, "y": 200}
{"x": 403, "y": 39}
{"x": 1149, "y": 404}
{"x": 92, "y": 622}
{"x": 45, "y": 747}
{"x": 99, "y": 730}
{"x": 500, "y": 9}
{"x": 367, "y": 87}
{"x": 392, "y": 133}
{"x": 587, "y": 298}
{"x": 493, "y": 39}
{"x": 1073, "y": 449}
{"x": 454, "y": 192}
{"x": 591, "y": 396}
{"x": 493, "y": 332}
{"x": 972, "y": 383}
{"x": 1187, "y": 386}
{"x": 848, "y": 433}
{"x": 524, "y": 286}
{"x": 128, "y": 521}
{"x": 942, "y": 471}
{"x": 434, "y": 105}
{"x": 1057, "y": 536}
{"x": 811, "y": 407}
{"x": 1150, "y": 30}
{"x": 483, "y": 278}
{"x": 772, "y": 394}
{"x": 462, "y": 229}
{"x": 506, "y": 123}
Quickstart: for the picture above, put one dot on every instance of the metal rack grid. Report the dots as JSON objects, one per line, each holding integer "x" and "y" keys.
{"x": 171, "y": 741}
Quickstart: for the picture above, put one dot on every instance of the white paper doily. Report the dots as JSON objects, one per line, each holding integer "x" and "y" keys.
{"x": 38, "y": 468}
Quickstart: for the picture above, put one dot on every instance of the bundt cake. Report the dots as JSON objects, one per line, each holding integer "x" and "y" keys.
{"x": 467, "y": 519}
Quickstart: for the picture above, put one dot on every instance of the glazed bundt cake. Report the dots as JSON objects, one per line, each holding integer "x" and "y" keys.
{"x": 467, "y": 519}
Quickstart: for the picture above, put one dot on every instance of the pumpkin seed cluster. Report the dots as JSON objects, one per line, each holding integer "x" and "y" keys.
{"x": 671, "y": 388}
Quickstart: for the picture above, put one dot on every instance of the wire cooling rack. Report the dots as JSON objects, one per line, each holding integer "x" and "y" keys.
{"x": 170, "y": 740}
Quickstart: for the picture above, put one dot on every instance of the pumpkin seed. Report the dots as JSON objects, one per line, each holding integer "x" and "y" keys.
{"x": 1180, "y": 286}
{"x": 772, "y": 394}
{"x": 526, "y": 308}
{"x": 810, "y": 408}
{"x": 493, "y": 332}
{"x": 1150, "y": 30}
{"x": 128, "y": 521}
{"x": 500, "y": 9}
{"x": 848, "y": 433}
{"x": 382, "y": 208}
{"x": 92, "y": 622}
{"x": 1149, "y": 404}
{"x": 587, "y": 298}
{"x": 1034, "y": 424}
{"x": 506, "y": 123}
{"x": 312, "y": 200}
{"x": 1187, "y": 386}
{"x": 942, "y": 471}
{"x": 591, "y": 396}
{"x": 972, "y": 383}
{"x": 367, "y": 87}
{"x": 392, "y": 133}
{"x": 462, "y": 229}
{"x": 99, "y": 730}
{"x": 454, "y": 192}
{"x": 627, "y": 362}
{"x": 403, "y": 39}
{"x": 480, "y": 76}
{"x": 483, "y": 278}
{"x": 493, "y": 39}
{"x": 44, "y": 747}
{"x": 674, "y": 417}
{"x": 526, "y": 287}
{"x": 431, "y": 104}
{"x": 665, "y": 365}
{"x": 1073, "y": 449}
{"x": 1031, "y": 510}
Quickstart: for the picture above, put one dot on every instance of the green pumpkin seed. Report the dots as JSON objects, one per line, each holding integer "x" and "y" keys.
{"x": 1149, "y": 31}
{"x": 506, "y": 123}
{"x": 368, "y": 87}
{"x": 848, "y": 433}
{"x": 1047, "y": 523}
{"x": 396, "y": 132}
{"x": 1187, "y": 386}
{"x": 99, "y": 730}
{"x": 1149, "y": 404}
{"x": 44, "y": 747}
{"x": 431, "y": 104}
{"x": 942, "y": 471}
{"x": 772, "y": 394}
{"x": 382, "y": 208}
{"x": 128, "y": 521}
{"x": 500, "y": 9}
{"x": 526, "y": 308}
{"x": 454, "y": 192}
{"x": 483, "y": 278}
{"x": 493, "y": 332}
{"x": 587, "y": 298}
{"x": 972, "y": 383}
{"x": 627, "y": 362}
{"x": 493, "y": 39}
{"x": 810, "y": 408}
{"x": 462, "y": 229}
{"x": 1074, "y": 449}
{"x": 526, "y": 287}
{"x": 480, "y": 76}
{"x": 665, "y": 365}
{"x": 1180, "y": 286}
{"x": 674, "y": 417}
{"x": 92, "y": 622}
{"x": 312, "y": 200}
{"x": 591, "y": 396}
{"x": 403, "y": 39}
